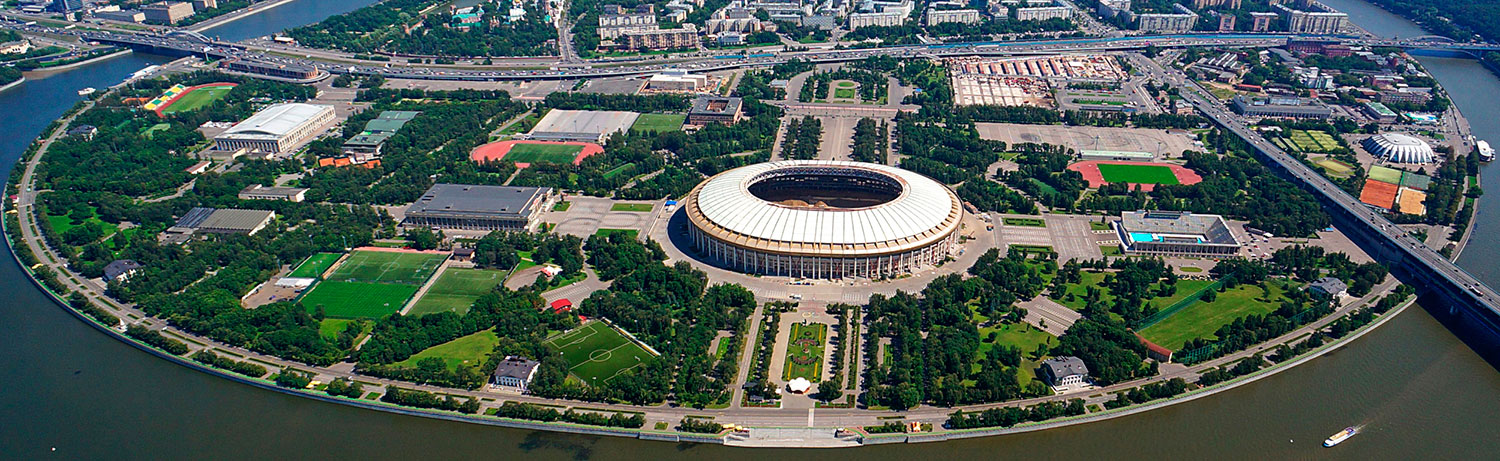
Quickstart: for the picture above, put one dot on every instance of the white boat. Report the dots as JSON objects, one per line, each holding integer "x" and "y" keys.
{"x": 86, "y": 91}
{"x": 1340, "y": 437}
{"x": 1486, "y": 153}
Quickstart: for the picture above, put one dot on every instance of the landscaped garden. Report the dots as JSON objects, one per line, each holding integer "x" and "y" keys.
{"x": 804, "y": 352}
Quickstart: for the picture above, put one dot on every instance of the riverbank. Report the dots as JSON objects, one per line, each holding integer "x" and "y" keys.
{"x": 14, "y": 84}
{"x": 77, "y": 64}
{"x": 237, "y": 15}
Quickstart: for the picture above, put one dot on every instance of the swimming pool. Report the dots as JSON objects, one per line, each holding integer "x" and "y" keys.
{"x": 1143, "y": 237}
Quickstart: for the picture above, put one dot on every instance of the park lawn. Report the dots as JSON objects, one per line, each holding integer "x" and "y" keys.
{"x": 658, "y": 123}
{"x": 804, "y": 352}
{"x": 616, "y": 171}
{"x": 1110, "y": 250}
{"x": 845, "y": 93}
{"x": 387, "y": 267}
{"x": 1021, "y": 335}
{"x": 150, "y": 133}
{"x": 633, "y": 207}
{"x": 561, "y": 154}
{"x": 1137, "y": 174}
{"x": 456, "y": 290}
{"x": 1191, "y": 269}
{"x": 1202, "y": 319}
{"x": 357, "y": 299}
{"x": 330, "y": 328}
{"x": 1098, "y": 226}
{"x": 1335, "y": 167}
{"x": 314, "y": 265}
{"x": 597, "y": 353}
{"x": 1185, "y": 288}
{"x": 197, "y": 99}
{"x": 1024, "y": 222}
{"x": 606, "y": 232}
{"x": 562, "y": 206}
{"x": 62, "y": 223}
{"x": 465, "y": 351}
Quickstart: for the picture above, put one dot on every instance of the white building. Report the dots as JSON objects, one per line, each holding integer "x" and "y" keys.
{"x": 277, "y": 129}
{"x": 1044, "y": 13}
{"x": 964, "y": 16}
{"x": 1065, "y": 372}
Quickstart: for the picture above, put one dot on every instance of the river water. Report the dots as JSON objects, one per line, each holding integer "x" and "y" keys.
{"x": 70, "y": 392}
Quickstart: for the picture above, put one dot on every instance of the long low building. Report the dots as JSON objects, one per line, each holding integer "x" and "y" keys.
{"x": 277, "y": 129}
{"x": 479, "y": 208}
{"x": 581, "y": 125}
{"x": 1176, "y": 233}
{"x": 1284, "y": 107}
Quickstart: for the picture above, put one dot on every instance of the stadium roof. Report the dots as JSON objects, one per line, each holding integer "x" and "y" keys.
{"x": 276, "y": 121}
{"x": 923, "y": 206}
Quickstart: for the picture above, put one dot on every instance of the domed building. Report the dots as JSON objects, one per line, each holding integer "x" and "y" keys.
{"x": 1398, "y": 148}
{"x": 823, "y": 219}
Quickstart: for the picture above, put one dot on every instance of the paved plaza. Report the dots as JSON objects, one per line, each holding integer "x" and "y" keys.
{"x": 1160, "y": 142}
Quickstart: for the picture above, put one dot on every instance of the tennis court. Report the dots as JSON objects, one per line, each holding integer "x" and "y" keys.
{"x": 597, "y": 353}
{"x": 1378, "y": 193}
{"x": 387, "y": 267}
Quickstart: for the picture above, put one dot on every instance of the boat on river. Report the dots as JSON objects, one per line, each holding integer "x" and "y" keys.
{"x": 1340, "y": 437}
{"x": 1486, "y": 153}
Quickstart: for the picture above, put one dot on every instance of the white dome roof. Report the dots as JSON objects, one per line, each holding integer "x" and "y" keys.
{"x": 923, "y": 211}
{"x": 1399, "y": 148}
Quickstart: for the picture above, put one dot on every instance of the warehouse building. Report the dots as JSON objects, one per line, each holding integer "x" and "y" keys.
{"x": 277, "y": 129}
{"x": 581, "y": 125}
{"x": 216, "y": 221}
{"x": 1287, "y": 107}
{"x": 1176, "y": 233}
{"x": 480, "y": 208}
{"x": 285, "y": 194}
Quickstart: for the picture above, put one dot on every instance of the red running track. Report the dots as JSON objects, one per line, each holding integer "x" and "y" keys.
{"x": 497, "y": 150}
{"x": 1090, "y": 171}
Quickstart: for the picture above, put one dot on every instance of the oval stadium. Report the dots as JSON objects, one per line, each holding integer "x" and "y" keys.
{"x": 823, "y": 219}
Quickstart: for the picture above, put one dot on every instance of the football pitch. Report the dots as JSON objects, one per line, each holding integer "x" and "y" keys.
{"x": 561, "y": 154}
{"x": 658, "y": 123}
{"x": 596, "y": 353}
{"x": 1137, "y": 174}
{"x": 456, "y": 290}
{"x": 197, "y": 99}
{"x": 357, "y": 299}
{"x": 387, "y": 267}
{"x": 314, "y": 265}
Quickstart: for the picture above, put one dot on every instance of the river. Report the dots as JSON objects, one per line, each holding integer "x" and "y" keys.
{"x": 74, "y": 393}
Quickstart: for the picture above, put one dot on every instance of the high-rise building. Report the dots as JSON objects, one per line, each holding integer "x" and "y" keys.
{"x": 615, "y": 21}
{"x": 1312, "y": 17}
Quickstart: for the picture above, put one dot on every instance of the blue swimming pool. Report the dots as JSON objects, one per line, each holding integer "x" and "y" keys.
{"x": 1143, "y": 237}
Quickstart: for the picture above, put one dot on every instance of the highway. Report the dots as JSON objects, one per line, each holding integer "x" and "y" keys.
{"x": 1420, "y": 258}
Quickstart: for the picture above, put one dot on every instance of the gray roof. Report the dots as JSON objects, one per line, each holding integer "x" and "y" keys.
{"x": 701, "y": 105}
{"x": 1060, "y": 367}
{"x": 1330, "y": 285}
{"x": 194, "y": 217}
{"x": 276, "y": 121}
{"x": 463, "y": 199}
{"x": 1211, "y": 229}
{"x": 119, "y": 267}
{"x": 516, "y": 367}
{"x": 236, "y": 220}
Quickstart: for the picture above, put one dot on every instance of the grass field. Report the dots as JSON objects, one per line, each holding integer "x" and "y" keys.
{"x": 456, "y": 290}
{"x": 658, "y": 123}
{"x": 845, "y": 93}
{"x": 1137, "y": 174}
{"x": 804, "y": 352}
{"x": 1335, "y": 167}
{"x": 357, "y": 299}
{"x": 1313, "y": 141}
{"x": 387, "y": 267}
{"x": 465, "y": 351}
{"x": 606, "y": 232}
{"x": 561, "y": 154}
{"x": 595, "y": 352}
{"x": 314, "y": 265}
{"x": 632, "y": 207}
{"x": 330, "y": 328}
{"x": 62, "y": 223}
{"x": 562, "y": 206}
{"x": 1021, "y": 335}
{"x": 1202, "y": 319}
{"x": 197, "y": 99}
{"x": 1024, "y": 222}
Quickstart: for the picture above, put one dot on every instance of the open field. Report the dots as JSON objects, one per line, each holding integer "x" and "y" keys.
{"x": 632, "y": 207}
{"x": 659, "y": 123}
{"x": 1201, "y": 319}
{"x": 62, "y": 223}
{"x": 387, "y": 267}
{"x": 314, "y": 265}
{"x": 456, "y": 290}
{"x": 804, "y": 352}
{"x": 1335, "y": 167}
{"x": 197, "y": 98}
{"x": 1021, "y": 335}
{"x": 560, "y": 154}
{"x": 1137, "y": 174}
{"x": 1313, "y": 141}
{"x": 596, "y": 353}
{"x": 357, "y": 299}
{"x": 604, "y": 232}
{"x": 1089, "y": 138}
{"x": 465, "y": 351}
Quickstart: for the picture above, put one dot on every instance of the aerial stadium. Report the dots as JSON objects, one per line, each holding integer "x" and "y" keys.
{"x": 823, "y": 219}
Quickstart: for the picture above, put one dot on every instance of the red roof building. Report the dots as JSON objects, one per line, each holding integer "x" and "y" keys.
{"x": 562, "y": 305}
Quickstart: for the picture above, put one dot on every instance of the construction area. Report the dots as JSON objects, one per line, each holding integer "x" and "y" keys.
{"x": 1071, "y": 67}
{"x": 970, "y": 89}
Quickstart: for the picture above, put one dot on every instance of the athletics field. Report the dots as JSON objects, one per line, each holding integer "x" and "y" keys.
{"x": 1147, "y": 175}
